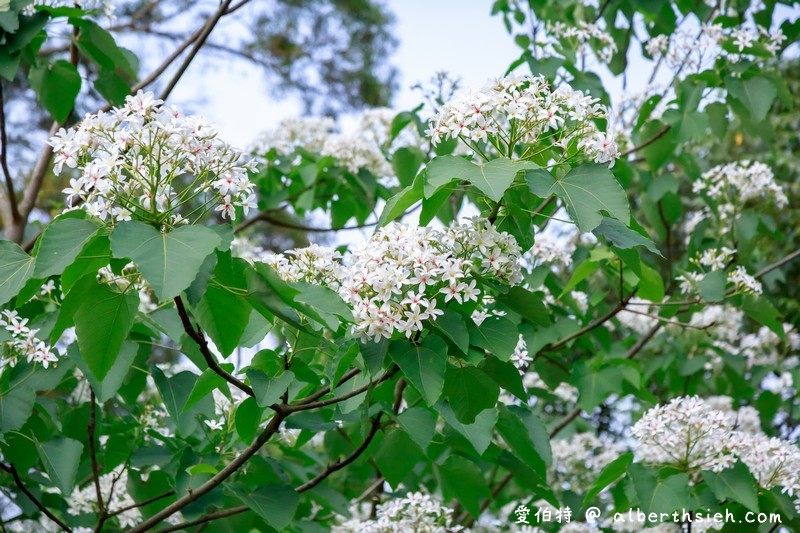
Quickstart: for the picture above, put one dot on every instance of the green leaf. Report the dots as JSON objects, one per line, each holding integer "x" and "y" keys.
{"x": 659, "y": 495}
{"x": 461, "y": 479}
{"x": 16, "y": 407}
{"x": 608, "y": 475}
{"x": 247, "y": 419}
{"x": 757, "y": 94}
{"x": 424, "y": 365}
{"x": 397, "y": 456}
{"x": 595, "y": 384}
{"x": 99, "y": 46}
{"x": 760, "y": 309}
{"x": 420, "y": 424}
{"x": 712, "y": 286}
{"x": 516, "y": 435}
{"x": 736, "y": 483}
{"x": 95, "y": 255}
{"x": 175, "y": 392}
{"x": 406, "y": 162}
{"x": 223, "y": 312}
{"x": 61, "y": 457}
{"x": 9, "y": 63}
{"x": 496, "y": 334}
{"x": 505, "y": 374}
{"x": 106, "y": 388}
{"x": 276, "y": 504}
{"x": 269, "y": 390}
{"x": 618, "y": 234}
{"x": 168, "y": 261}
{"x": 402, "y": 201}
{"x": 56, "y": 85}
{"x": 205, "y": 385}
{"x": 586, "y": 191}
{"x": 526, "y": 304}
{"x": 469, "y": 391}
{"x": 102, "y": 323}
{"x": 492, "y": 179}
{"x": 479, "y": 434}
{"x": 451, "y": 325}
{"x": 16, "y": 268}
{"x": 60, "y": 244}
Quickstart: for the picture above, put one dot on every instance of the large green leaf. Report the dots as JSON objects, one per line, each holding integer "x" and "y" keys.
{"x": 757, "y": 94}
{"x": 397, "y": 456}
{"x": 268, "y": 390}
{"x": 492, "y": 178}
{"x": 168, "y": 261}
{"x": 516, "y": 435}
{"x": 420, "y": 424}
{"x": 60, "y": 244}
{"x": 586, "y": 191}
{"x": 608, "y": 475}
{"x": 16, "y": 268}
{"x": 61, "y": 458}
{"x": 618, "y": 234}
{"x": 469, "y": 391}
{"x": 496, "y": 334}
{"x": 175, "y": 392}
{"x": 423, "y": 365}
{"x": 736, "y": 483}
{"x": 223, "y": 311}
{"x": 106, "y": 388}
{"x": 595, "y": 384}
{"x": 102, "y": 322}
{"x": 16, "y": 407}
{"x": 461, "y": 479}
{"x": 56, "y": 85}
{"x": 276, "y": 504}
{"x": 660, "y": 494}
{"x": 402, "y": 201}
{"x": 479, "y": 433}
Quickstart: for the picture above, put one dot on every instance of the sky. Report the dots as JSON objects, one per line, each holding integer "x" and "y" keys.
{"x": 476, "y": 48}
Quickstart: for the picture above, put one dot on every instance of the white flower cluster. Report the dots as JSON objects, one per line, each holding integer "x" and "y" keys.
{"x": 715, "y": 259}
{"x": 114, "y": 489}
{"x": 690, "y": 434}
{"x": 638, "y": 316}
{"x": 368, "y": 147}
{"x": 740, "y": 182}
{"x": 525, "y": 110}
{"x": 584, "y": 37}
{"x": 395, "y": 281}
{"x": 693, "y": 52}
{"x": 578, "y": 460}
{"x": 23, "y": 342}
{"x": 414, "y": 512}
{"x": 147, "y": 161}
{"x": 745, "y": 418}
{"x": 687, "y": 433}
{"x": 552, "y": 249}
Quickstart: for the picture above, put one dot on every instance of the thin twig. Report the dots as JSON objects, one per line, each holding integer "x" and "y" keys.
{"x": 21, "y": 486}
{"x": 92, "y": 426}
{"x": 355, "y": 392}
{"x": 12, "y": 195}
{"x": 197, "y": 336}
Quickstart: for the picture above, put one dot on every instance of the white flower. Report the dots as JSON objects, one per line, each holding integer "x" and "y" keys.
{"x": 215, "y": 425}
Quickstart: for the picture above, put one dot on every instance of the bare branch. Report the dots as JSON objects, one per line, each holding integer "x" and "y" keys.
{"x": 92, "y": 426}
{"x": 12, "y": 195}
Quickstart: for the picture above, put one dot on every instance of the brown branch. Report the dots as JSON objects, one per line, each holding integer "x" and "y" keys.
{"x": 232, "y": 467}
{"x": 21, "y": 486}
{"x": 338, "y": 465}
{"x": 355, "y": 392}
{"x": 200, "y": 41}
{"x": 350, "y": 374}
{"x": 777, "y": 264}
{"x": 197, "y": 336}
{"x": 92, "y": 426}
{"x": 12, "y": 195}
{"x": 264, "y": 217}
{"x": 663, "y": 131}
{"x": 210, "y": 517}
{"x": 142, "y": 503}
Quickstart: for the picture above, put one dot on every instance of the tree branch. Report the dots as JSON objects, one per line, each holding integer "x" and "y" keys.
{"x": 355, "y": 392}
{"x": 197, "y": 336}
{"x": 12, "y": 195}
{"x": 232, "y": 467}
{"x": 21, "y": 486}
{"x": 663, "y": 131}
{"x": 92, "y": 426}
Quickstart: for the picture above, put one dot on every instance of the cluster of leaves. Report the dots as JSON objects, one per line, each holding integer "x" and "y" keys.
{"x": 148, "y": 385}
